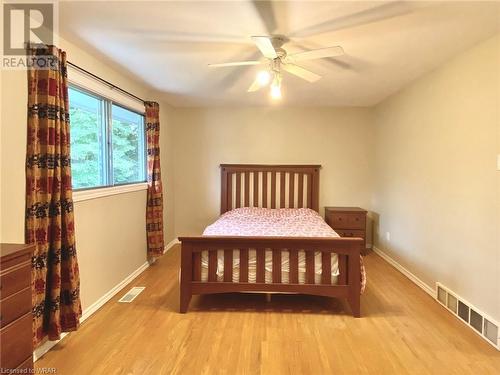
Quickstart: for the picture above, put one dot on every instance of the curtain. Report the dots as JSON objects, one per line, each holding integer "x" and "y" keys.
{"x": 49, "y": 220}
{"x": 154, "y": 207}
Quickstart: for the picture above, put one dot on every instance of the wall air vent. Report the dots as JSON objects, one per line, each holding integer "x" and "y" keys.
{"x": 480, "y": 323}
{"x": 131, "y": 294}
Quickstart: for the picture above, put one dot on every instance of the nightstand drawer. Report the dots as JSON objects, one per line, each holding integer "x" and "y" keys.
{"x": 350, "y": 233}
{"x": 346, "y": 221}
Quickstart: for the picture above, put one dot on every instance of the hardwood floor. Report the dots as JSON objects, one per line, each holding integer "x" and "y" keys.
{"x": 402, "y": 331}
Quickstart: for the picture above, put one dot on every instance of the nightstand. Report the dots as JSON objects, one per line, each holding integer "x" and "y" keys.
{"x": 347, "y": 222}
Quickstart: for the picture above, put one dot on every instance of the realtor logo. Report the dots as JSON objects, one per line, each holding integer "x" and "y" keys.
{"x": 26, "y": 23}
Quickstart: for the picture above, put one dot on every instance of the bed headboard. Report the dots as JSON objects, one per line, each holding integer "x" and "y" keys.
{"x": 272, "y": 186}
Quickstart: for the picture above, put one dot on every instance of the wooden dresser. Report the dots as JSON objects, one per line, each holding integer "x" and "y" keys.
{"x": 347, "y": 222}
{"x": 16, "y": 319}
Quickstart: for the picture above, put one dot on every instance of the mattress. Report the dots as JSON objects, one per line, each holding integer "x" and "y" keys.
{"x": 285, "y": 222}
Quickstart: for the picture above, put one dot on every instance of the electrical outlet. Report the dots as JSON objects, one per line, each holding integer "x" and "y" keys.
{"x": 388, "y": 236}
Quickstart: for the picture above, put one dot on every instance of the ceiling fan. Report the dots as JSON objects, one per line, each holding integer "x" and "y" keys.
{"x": 278, "y": 60}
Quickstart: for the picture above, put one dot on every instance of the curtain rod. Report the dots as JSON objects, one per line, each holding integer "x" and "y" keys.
{"x": 105, "y": 82}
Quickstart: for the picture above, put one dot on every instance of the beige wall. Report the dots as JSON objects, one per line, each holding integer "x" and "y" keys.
{"x": 13, "y": 124}
{"x": 167, "y": 142}
{"x": 437, "y": 189}
{"x": 1, "y": 144}
{"x": 498, "y": 190}
{"x": 338, "y": 139}
{"x": 110, "y": 231}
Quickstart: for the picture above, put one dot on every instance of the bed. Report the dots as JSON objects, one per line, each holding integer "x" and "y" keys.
{"x": 270, "y": 238}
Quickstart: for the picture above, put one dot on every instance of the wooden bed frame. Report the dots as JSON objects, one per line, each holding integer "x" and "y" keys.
{"x": 274, "y": 186}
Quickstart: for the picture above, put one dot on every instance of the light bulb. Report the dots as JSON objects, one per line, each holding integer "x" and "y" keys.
{"x": 275, "y": 91}
{"x": 263, "y": 77}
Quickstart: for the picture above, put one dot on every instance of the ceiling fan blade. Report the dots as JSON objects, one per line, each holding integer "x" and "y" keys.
{"x": 265, "y": 10}
{"x": 146, "y": 34}
{"x": 236, "y": 63}
{"x": 266, "y": 47}
{"x": 316, "y": 54}
{"x": 372, "y": 14}
{"x": 332, "y": 60}
{"x": 254, "y": 86}
{"x": 301, "y": 72}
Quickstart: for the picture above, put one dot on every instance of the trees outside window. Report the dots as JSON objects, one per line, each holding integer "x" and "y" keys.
{"x": 107, "y": 142}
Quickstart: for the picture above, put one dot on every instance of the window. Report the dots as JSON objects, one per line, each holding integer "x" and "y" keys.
{"x": 128, "y": 146}
{"x": 107, "y": 142}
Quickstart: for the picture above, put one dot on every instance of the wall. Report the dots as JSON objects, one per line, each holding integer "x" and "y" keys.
{"x": 497, "y": 106}
{"x": 1, "y": 144}
{"x": 339, "y": 139}
{"x": 436, "y": 187}
{"x": 110, "y": 231}
{"x": 498, "y": 198}
{"x": 167, "y": 142}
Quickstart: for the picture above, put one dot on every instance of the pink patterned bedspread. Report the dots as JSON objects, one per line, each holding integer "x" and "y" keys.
{"x": 286, "y": 222}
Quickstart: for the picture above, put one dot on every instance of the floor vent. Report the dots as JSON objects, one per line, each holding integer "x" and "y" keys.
{"x": 131, "y": 294}
{"x": 480, "y": 323}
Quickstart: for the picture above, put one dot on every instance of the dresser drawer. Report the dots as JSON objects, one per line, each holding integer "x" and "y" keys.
{"x": 14, "y": 306}
{"x": 16, "y": 259}
{"x": 15, "y": 279}
{"x": 346, "y": 221}
{"x": 26, "y": 365}
{"x": 351, "y": 233}
{"x": 17, "y": 341}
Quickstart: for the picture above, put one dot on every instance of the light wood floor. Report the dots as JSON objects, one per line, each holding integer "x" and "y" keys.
{"x": 402, "y": 331}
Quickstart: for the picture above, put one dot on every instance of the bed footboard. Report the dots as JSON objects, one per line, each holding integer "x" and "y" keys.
{"x": 348, "y": 250}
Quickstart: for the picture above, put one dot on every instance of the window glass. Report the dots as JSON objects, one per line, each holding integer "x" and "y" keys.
{"x": 87, "y": 140}
{"x": 107, "y": 142}
{"x": 128, "y": 146}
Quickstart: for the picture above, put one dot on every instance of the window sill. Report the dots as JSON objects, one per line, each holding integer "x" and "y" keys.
{"x": 83, "y": 195}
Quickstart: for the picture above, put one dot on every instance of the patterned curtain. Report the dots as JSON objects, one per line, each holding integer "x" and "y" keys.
{"x": 154, "y": 208}
{"x": 49, "y": 203}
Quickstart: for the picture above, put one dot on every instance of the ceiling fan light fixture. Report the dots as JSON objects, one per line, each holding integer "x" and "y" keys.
{"x": 276, "y": 88}
{"x": 278, "y": 60}
{"x": 276, "y": 92}
{"x": 263, "y": 77}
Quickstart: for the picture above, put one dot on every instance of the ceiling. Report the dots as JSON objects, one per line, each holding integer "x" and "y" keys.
{"x": 168, "y": 44}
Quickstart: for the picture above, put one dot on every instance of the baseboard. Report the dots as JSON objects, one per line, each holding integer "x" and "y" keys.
{"x": 105, "y": 298}
{"x": 45, "y": 347}
{"x": 171, "y": 244}
{"x": 426, "y": 288}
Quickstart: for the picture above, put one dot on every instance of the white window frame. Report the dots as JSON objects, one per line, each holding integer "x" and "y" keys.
{"x": 79, "y": 78}
{"x": 83, "y": 81}
{"x": 94, "y": 193}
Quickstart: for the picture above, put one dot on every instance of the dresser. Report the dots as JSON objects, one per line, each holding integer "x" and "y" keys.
{"x": 347, "y": 222}
{"x": 16, "y": 321}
